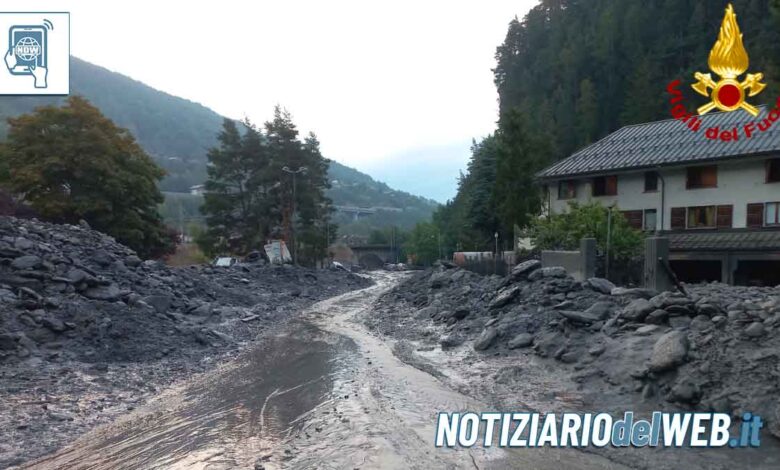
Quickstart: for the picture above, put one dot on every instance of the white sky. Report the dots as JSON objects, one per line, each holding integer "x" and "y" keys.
{"x": 374, "y": 80}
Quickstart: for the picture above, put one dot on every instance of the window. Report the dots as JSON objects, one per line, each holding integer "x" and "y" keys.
{"x": 605, "y": 186}
{"x": 650, "y": 223}
{"x": 634, "y": 219}
{"x": 724, "y": 216}
{"x": 678, "y": 218}
{"x": 773, "y": 170}
{"x": 701, "y": 177}
{"x": 701, "y": 217}
{"x": 567, "y": 189}
{"x": 771, "y": 214}
{"x": 755, "y": 215}
{"x": 651, "y": 181}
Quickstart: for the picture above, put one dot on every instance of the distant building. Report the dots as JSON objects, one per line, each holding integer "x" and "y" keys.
{"x": 717, "y": 201}
{"x": 197, "y": 190}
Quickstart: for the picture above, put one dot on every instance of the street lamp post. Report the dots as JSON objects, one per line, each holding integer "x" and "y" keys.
{"x": 294, "y": 173}
{"x": 495, "y": 267}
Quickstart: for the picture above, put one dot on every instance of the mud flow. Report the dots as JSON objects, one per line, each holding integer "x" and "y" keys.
{"x": 322, "y": 392}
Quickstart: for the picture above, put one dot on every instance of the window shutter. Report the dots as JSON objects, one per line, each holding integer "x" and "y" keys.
{"x": 678, "y": 218}
{"x": 611, "y": 185}
{"x": 755, "y": 215}
{"x": 634, "y": 219}
{"x": 724, "y": 216}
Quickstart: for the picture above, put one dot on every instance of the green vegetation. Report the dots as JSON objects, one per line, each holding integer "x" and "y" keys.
{"x": 571, "y": 72}
{"x": 71, "y": 163}
{"x": 251, "y": 195}
{"x": 177, "y": 133}
{"x": 422, "y": 244}
{"x": 564, "y": 231}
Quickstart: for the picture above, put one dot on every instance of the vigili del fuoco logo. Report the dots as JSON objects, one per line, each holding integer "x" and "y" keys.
{"x": 728, "y": 60}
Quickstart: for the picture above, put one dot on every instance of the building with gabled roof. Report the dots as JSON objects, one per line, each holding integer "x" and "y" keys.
{"x": 717, "y": 200}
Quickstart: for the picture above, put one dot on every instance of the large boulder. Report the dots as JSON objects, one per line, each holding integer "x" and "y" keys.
{"x": 486, "y": 339}
{"x": 600, "y": 285}
{"x": 522, "y": 340}
{"x": 505, "y": 296}
{"x": 526, "y": 267}
{"x": 669, "y": 351}
{"x": 637, "y": 310}
{"x": 109, "y": 293}
{"x": 26, "y": 262}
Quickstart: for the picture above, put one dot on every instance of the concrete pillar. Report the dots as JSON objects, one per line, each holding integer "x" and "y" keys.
{"x": 588, "y": 257}
{"x": 657, "y": 253}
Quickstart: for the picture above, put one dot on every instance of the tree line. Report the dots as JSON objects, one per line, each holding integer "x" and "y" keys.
{"x": 70, "y": 163}
{"x": 572, "y": 71}
{"x": 267, "y": 184}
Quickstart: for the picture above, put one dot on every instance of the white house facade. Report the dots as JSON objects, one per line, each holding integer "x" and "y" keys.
{"x": 718, "y": 202}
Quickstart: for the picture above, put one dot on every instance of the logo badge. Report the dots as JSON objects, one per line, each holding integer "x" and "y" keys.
{"x": 728, "y": 59}
{"x": 36, "y": 54}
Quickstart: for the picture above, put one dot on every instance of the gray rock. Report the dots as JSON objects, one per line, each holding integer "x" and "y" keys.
{"x": 666, "y": 299}
{"x": 669, "y": 351}
{"x": 26, "y": 262}
{"x": 546, "y": 344}
{"x": 102, "y": 258}
{"x": 133, "y": 261}
{"x": 523, "y": 269}
{"x": 755, "y": 330}
{"x": 109, "y": 293}
{"x": 708, "y": 309}
{"x": 504, "y": 297}
{"x": 534, "y": 276}
{"x": 202, "y": 310}
{"x": 685, "y": 392}
{"x": 54, "y": 324}
{"x": 601, "y": 310}
{"x": 486, "y": 339}
{"x": 554, "y": 271}
{"x": 23, "y": 244}
{"x": 600, "y": 285}
{"x": 161, "y": 303}
{"x": 657, "y": 317}
{"x": 680, "y": 322}
{"x": 637, "y": 310}
{"x": 450, "y": 341}
{"x": 579, "y": 317}
{"x": 635, "y": 292}
{"x": 645, "y": 330}
{"x": 522, "y": 340}
{"x": 461, "y": 313}
{"x": 700, "y": 322}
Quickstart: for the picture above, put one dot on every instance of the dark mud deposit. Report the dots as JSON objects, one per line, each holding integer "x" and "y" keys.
{"x": 538, "y": 340}
{"x": 89, "y": 332}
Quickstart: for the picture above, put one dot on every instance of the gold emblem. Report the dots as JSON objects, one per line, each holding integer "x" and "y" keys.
{"x": 728, "y": 59}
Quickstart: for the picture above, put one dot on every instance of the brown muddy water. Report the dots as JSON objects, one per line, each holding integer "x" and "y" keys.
{"x": 322, "y": 393}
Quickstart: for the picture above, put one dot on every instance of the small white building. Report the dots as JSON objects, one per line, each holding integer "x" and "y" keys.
{"x": 717, "y": 201}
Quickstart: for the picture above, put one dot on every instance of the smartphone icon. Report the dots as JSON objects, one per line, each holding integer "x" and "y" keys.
{"x": 29, "y": 46}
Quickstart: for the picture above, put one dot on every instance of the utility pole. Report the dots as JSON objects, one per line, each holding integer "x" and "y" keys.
{"x": 292, "y": 216}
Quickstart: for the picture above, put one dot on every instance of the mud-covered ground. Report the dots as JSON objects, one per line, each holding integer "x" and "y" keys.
{"x": 88, "y": 331}
{"x": 538, "y": 340}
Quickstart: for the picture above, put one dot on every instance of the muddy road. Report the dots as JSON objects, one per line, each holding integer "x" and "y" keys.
{"x": 320, "y": 391}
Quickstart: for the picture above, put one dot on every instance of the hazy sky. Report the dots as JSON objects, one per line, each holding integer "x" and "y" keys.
{"x": 383, "y": 84}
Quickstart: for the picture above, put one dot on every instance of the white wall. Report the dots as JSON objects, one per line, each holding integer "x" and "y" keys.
{"x": 739, "y": 182}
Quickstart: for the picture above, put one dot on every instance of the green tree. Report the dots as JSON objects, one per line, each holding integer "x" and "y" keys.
{"x": 565, "y": 230}
{"x": 423, "y": 244}
{"x": 520, "y": 156}
{"x": 72, "y": 163}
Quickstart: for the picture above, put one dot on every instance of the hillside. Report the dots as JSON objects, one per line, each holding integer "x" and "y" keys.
{"x": 177, "y": 133}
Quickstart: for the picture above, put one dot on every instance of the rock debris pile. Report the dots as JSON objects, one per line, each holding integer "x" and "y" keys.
{"x": 88, "y": 330}
{"x": 717, "y": 349}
